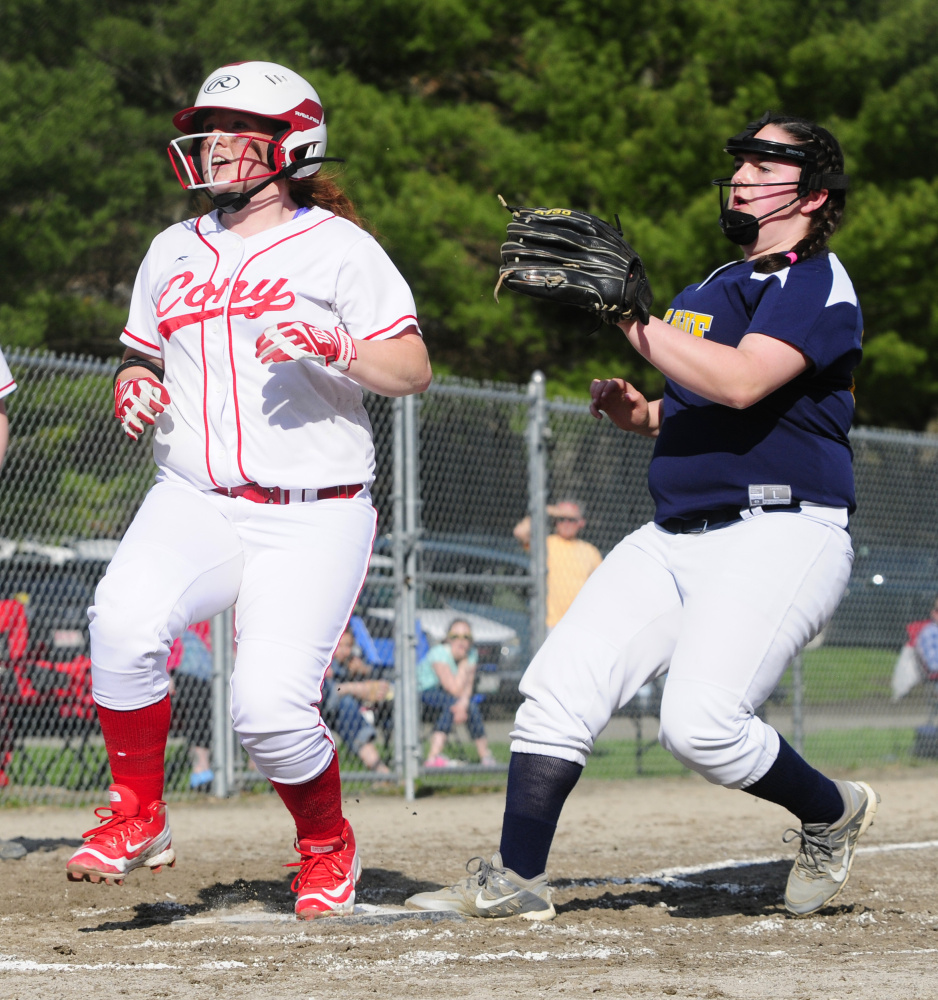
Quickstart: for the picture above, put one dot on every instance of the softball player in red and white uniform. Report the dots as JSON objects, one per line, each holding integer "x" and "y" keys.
{"x": 251, "y": 334}
{"x": 7, "y": 385}
{"x": 748, "y": 554}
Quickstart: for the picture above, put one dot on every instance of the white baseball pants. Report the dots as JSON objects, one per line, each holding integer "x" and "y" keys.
{"x": 724, "y": 612}
{"x": 294, "y": 571}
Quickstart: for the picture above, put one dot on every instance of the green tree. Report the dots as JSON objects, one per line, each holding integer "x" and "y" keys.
{"x": 438, "y": 106}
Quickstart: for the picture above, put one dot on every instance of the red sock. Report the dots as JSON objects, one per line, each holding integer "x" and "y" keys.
{"x": 136, "y": 747}
{"x": 316, "y": 805}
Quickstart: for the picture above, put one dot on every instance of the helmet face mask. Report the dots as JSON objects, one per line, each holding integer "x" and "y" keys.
{"x": 185, "y": 154}
{"x": 265, "y": 90}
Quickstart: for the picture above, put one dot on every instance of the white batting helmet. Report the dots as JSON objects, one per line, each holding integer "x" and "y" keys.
{"x": 271, "y": 91}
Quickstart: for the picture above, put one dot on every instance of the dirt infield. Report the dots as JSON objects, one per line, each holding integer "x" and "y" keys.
{"x": 665, "y": 888}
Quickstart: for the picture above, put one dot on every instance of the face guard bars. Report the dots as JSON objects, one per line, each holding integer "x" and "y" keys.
{"x": 186, "y": 157}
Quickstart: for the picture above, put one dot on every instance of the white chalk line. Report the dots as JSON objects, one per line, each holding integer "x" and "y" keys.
{"x": 682, "y": 873}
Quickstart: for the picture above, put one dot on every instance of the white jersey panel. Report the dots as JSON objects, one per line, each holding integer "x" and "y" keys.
{"x": 7, "y": 382}
{"x": 202, "y": 297}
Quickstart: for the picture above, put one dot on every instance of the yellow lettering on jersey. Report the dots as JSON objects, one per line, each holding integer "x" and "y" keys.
{"x": 697, "y": 324}
{"x": 701, "y": 324}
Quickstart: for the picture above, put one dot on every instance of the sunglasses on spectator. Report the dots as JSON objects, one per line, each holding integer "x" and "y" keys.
{"x": 567, "y": 519}
{"x": 460, "y": 635}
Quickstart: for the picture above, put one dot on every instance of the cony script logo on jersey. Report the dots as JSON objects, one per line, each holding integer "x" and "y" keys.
{"x": 694, "y": 323}
{"x": 184, "y": 302}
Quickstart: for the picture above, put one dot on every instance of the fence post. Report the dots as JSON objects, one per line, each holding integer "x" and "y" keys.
{"x": 406, "y": 521}
{"x": 538, "y": 433}
{"x": 222, "y": 733}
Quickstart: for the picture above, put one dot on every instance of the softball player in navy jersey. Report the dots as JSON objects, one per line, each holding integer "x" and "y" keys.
{"x": 252, "y": 331}
{"x": 749, "y": 552}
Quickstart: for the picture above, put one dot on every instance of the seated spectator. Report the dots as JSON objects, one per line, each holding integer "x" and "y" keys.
{"x": 926, "y": 644}
{"x": 445, "y": 679}
{"x": 345, "y": 702}
{"x": 14, "y": 636}
{"x": 918, "y": 659}
{"x": 190, "y": 677}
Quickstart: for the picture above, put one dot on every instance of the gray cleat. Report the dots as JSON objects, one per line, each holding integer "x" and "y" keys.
{"x": 491, "y": 891}
{"x": 10, "y": 850}
{"x": 823, "y": 864}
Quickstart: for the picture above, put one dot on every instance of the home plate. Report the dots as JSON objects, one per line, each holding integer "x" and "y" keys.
{"x": 364, "y": 913}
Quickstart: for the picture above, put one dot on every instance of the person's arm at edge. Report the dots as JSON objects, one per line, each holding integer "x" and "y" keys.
{"x": 398, "y": 366}
{"x": 4, "y": 431}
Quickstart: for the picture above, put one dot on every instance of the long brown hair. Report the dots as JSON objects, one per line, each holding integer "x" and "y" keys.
{"x": 824, "y": 220}
{"x": 322, "y": 191}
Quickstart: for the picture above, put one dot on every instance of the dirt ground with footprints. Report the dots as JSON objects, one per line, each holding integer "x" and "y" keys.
{"x": 664, "y": 888}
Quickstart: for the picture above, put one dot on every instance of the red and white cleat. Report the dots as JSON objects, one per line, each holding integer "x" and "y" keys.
{"x": 127, "y": 839}
{"x": 329, "y": 872}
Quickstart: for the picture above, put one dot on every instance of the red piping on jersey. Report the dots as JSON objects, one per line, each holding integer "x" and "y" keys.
{"x": 208, "y": 461}
{"x": 12, "y": 383}
{"x": 234, "y": 377}
{"x": 397, "y": 322}
{"x": 146, "y": 343}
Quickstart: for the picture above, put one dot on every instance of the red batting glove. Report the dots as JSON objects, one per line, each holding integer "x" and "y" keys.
{"x": 137, "y": 401}
{"x": 298, "y": 341}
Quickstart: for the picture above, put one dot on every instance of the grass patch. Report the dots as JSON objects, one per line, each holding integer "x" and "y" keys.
{"x": 835, "y": 750}
{"x": 844, "y": 673}
{"x": 856, "y": 749}
{"x": 76, "y": 768}
{"x": 838, "y": 751}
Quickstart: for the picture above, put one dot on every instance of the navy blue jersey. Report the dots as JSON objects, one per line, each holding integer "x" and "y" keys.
{"x": 708, "y": 455}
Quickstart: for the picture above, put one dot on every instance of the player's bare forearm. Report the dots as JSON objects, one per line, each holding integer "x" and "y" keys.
{"x": 733, "y": 376}
{"x": 625, "y": 406}
{"x": 398, "y": 366}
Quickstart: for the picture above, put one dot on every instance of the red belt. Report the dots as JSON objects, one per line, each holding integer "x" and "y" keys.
{"x": 274, "y": 494}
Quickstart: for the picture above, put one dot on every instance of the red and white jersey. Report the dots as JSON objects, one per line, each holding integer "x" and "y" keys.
{"x": 202, "y": 297}
{"x": 7, "y": 382}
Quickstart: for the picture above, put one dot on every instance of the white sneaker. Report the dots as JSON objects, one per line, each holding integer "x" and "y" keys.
{"x": 491, "y": 891}
{"x": 823, "y": 864}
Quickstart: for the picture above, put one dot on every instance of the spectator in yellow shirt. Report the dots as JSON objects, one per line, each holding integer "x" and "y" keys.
{"x": 570, "y": 560}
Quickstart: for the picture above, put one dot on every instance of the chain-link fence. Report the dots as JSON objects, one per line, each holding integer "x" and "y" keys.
{"x": 458, "y": 469}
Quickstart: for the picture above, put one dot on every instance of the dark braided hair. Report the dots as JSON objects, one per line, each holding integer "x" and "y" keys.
{"x": 826, "y": 219}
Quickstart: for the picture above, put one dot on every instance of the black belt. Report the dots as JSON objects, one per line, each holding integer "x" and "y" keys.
{"x": 709, "y": 520}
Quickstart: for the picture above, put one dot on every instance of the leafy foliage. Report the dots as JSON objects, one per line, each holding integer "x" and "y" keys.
{"x": 437, "y": 106}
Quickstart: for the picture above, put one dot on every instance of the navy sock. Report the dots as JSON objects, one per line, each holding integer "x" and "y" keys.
{"x": 538, "y": 786}
{"x": 793, "y": 783}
